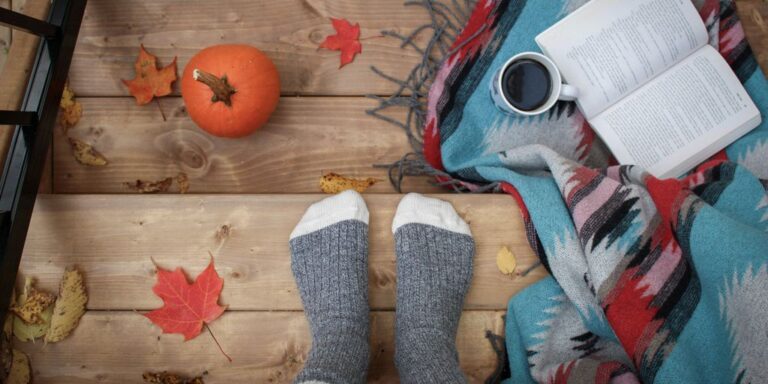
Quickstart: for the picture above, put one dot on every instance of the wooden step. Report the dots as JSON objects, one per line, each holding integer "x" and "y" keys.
{"x": 289, "y": 31}
{"x": 305, "y": 138}
{"x": 266, "y": 347}
{"x": 115, "y": 238}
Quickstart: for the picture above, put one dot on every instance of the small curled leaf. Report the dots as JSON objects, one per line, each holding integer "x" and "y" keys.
{"x": 85, "y": 153}
{"x": 506, "y": 261}
{"x": 332, "y": 183}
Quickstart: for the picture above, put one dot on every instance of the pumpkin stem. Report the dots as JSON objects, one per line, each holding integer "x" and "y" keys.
{"x": 222, "y": 91}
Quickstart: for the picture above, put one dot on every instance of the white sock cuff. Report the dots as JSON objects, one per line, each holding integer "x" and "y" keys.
{"x": 416, "y": 208}
{"x": 347, "y": 205}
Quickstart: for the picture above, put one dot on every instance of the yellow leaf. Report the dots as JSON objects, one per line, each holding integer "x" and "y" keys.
{"x": 31, "y": 303}
{"x": 506, "y": 261}
{"x": 71, "y": 109}
{"x": 20, "y": 372}
{"x": 85, "y": 153}
{"x": 8, "y": 324}
{"x": 30, "y": 332}
{"x": 332, "y": 183}
{"x": 69, "y": 307}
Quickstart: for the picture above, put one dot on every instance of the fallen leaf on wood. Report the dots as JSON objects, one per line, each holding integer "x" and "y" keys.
{"x": 69, "y": 306}
{"x": 85, "y": 153}
{"x": 346, "y": 40}
{"x": 334, "y": 183}
{"x": 170, "y": 378}
{"x": 20, "y": 371}
{"x": 183, "y": 182}
{"x": 186, "y": 307}
{"x": 506, "y": 261}
{"x": 32, "y": 303}
{"x": 71, "y": 109}
{"x": 6, "y": 347}
{"x": 142, "y": 186}
{"x": 149, "y": 81}
{"x": 30, "y": 332}
{"x": 24, "y": 329}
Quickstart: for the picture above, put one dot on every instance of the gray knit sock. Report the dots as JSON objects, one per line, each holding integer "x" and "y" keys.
{"x": 329, "y": 259}
{"x": 434, "y": 267}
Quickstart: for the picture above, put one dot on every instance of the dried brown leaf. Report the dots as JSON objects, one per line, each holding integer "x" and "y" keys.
{"x": 170, "y": 378}
{"x": 182, "y": 181}
{"x": 85, "y": 153}
{"x": 158, "y": 186}
{"x": 71, "y": 109}
{"x": 332, "y": 183}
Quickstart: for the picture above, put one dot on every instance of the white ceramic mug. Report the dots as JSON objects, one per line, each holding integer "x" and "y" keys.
{"x": 559, "y": 90}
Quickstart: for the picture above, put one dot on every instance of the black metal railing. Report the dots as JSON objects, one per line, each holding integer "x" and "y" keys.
{"x": 34, "y": 124}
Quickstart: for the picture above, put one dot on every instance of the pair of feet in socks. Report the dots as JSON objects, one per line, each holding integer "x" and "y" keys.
{"x": 329, "y": 259}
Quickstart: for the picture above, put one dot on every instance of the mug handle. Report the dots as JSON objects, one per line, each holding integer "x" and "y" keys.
{"x": 568, "y": 93}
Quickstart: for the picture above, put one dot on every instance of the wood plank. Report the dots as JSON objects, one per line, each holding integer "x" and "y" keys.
{"x": 114, "y": 238}
{"x": 46, "y": 179}
{"x": 305, "y": 138}
{"x": 5, "y": 37}
{"x": 15, "y": 72}
{"x": 754, "y": 17}
{"x": 289, "y": 31}
{"x": 266, "y": 347}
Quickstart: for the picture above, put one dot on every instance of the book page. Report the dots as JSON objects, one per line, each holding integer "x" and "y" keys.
{"x": 609, "y": 48}
{"x": 680, "y": 118}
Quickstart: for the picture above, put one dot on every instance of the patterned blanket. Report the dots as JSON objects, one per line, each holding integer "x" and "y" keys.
{"x": 651, "y": 280}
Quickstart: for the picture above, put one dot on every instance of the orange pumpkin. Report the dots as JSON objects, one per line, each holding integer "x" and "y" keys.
{"x": 230, "y": 90}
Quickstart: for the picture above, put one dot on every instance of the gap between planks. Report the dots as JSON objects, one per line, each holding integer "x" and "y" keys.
{"x": 114, "y": 238}
{"x": 305, "y": 138}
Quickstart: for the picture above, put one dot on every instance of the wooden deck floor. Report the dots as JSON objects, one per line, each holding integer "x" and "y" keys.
{"x": 257, "y": 187}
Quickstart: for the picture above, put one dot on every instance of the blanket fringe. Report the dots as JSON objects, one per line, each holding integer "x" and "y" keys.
{"x": 446, "y": 22}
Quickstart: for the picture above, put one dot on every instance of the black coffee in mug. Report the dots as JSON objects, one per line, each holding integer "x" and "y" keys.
{"x": 527, "y": 84}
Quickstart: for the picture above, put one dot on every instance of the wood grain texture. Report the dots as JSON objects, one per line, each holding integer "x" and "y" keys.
{"x": 46, "y": 179}
{"x": 114, "y": 240}
{"x": 754, "y": 17}
{"x": 305, "y": 138}
{"x": 5, "y": 37}
{"x": 266, "y": 347}
{"x": 15, "y": 72}
{"x": 288, "y": 31}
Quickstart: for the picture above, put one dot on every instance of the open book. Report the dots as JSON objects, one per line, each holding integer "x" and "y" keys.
{"x": 650, "y": 85}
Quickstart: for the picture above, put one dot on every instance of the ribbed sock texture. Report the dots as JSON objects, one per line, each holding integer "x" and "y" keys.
{"x": 331, "y": 270}
{"x": 434, "y": 270}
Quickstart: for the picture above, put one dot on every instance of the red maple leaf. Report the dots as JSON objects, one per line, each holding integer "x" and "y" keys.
{"x": 187, "y": 306}
{"x": 346, "y": 40}
{"x": 149, "y": 81}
